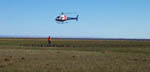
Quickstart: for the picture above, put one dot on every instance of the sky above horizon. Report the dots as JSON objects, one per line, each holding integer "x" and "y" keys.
{"x": 97, "y": 18}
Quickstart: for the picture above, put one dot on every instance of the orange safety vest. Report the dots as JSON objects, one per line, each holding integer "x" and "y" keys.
{"x": 49, "y": 38}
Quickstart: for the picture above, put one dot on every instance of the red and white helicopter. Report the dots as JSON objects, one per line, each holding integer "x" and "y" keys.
{"x": 63, "y": 18}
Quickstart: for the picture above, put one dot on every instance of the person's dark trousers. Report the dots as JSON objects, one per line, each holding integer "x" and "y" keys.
{"x": 49, "y": 42}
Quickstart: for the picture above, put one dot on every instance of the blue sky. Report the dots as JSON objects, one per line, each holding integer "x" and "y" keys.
{"x": 97, "y": 18}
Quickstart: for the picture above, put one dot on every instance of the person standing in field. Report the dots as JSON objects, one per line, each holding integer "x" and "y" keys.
{"x": 49, "y": 40}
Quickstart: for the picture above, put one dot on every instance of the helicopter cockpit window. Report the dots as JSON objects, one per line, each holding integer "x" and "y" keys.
{"x": 58, "y": 16}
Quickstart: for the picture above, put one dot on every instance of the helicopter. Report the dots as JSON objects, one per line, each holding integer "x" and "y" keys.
{"x": 63, "y": 18}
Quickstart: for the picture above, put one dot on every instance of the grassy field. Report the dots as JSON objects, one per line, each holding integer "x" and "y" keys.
{"x": 19, "y": 55}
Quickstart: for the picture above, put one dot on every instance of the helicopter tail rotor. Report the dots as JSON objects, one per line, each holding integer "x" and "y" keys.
{"x": 77, "y": 17}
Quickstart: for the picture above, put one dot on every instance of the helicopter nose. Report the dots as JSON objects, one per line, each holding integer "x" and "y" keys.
{"x": 56, "y": 19}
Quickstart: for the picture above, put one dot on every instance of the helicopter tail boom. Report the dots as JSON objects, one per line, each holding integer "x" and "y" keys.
{"x": 76, "y": 18}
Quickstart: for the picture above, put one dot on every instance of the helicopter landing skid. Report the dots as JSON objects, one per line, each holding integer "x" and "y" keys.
{"x": 61, "y": 22}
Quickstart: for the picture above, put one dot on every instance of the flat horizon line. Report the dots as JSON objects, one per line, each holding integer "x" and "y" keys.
{"x": 75, "y": 38}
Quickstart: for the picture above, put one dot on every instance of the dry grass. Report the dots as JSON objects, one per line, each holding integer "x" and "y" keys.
{"x": 14, "y": 58}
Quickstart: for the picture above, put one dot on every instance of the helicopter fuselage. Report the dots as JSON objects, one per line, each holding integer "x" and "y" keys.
{"x": 63, "y": 18}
